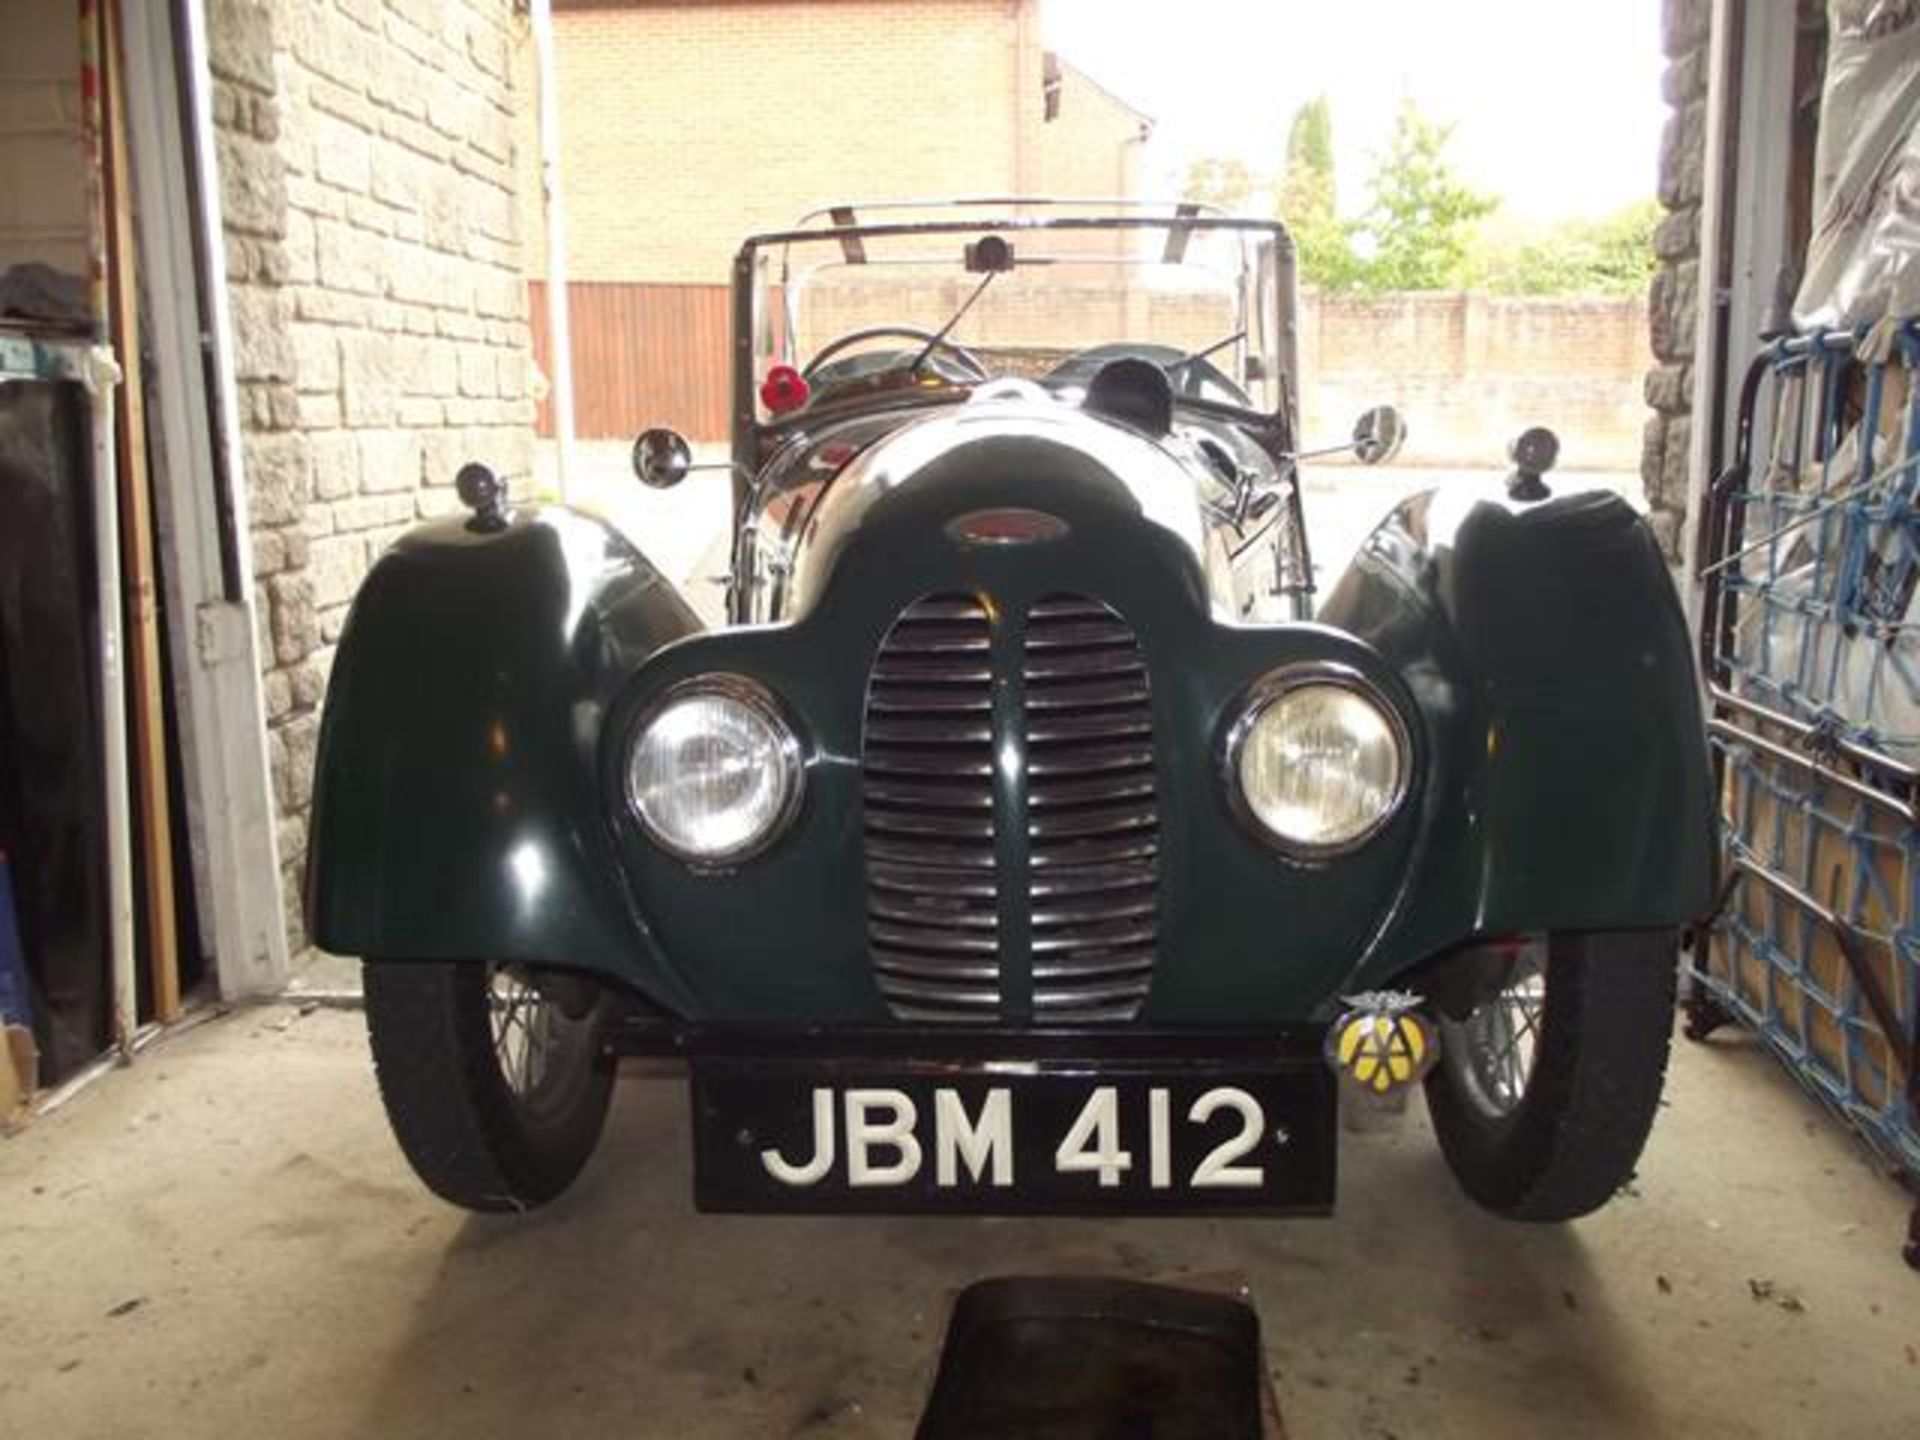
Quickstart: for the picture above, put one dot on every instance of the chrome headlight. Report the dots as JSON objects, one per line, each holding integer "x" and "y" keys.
{"x": 1317, "y": 763}
{"x": 714, "y": 770}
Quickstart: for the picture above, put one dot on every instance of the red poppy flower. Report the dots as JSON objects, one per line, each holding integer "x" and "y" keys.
{"x": 784, "y": 389}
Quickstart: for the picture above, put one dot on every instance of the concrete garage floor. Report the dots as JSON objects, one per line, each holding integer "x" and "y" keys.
{"x": 224, "y": 1241}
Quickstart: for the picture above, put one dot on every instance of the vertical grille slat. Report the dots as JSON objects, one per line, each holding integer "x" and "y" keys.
{"x": 1093, "y": 821}
{"x": 933, "y": 892}
{"x": 1092, "y": 884}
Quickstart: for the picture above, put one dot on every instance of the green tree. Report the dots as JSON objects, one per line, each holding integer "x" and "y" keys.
{"x": 1214, "y": 180}
{"x": 1612, "y": 255}
{"x": 1418, "y": 228}
{"x": 1310, "y": 138}
{"x": 1308, "y": 201}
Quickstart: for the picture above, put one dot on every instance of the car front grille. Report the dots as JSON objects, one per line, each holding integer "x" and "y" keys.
{"x": 1093, "y": 828}
{"x": 933, "y": 894}
{"x": 936, "y": 895}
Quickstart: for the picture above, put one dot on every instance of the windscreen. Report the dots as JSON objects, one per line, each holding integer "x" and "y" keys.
{"x": 947, "y": 307}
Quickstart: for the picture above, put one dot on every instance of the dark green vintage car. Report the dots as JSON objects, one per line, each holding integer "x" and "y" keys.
{"x": 1030, "y": 839}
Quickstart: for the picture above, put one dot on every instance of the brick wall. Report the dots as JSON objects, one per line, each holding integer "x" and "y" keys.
{"x": 1472, "y": 371}
{"x": 1091, "y": 148}
{"x": 366, "y": 155}
{"x": 43, "y": 211}
{"x": 685, "y": 126}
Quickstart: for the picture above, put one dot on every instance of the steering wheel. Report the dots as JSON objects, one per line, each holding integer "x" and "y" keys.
{"x": 897, "y": 332}
{"x": 1196, "y": 377}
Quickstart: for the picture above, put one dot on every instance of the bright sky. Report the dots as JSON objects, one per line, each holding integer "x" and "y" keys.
{"x": 1557, "y": 102}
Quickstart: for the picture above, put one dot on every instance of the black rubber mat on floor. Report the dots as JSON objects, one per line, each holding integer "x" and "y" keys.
{"x": 1078, "y": 1359}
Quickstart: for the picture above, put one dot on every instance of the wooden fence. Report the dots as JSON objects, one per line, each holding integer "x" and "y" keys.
{"x": 1471, "y": 371}
{"x": 642, "y": 355}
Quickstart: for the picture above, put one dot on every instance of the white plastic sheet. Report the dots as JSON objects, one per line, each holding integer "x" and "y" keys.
{"x": 1863, "y": 261}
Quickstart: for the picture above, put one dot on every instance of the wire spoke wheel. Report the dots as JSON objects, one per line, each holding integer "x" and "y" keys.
{"x": 1496, "y": 1047}
{"x": 521, "y": 1034}
{"x": 533, "y": 1040}
{"x": 495, "y": 1077}
{"x": 1547, "y": 1086}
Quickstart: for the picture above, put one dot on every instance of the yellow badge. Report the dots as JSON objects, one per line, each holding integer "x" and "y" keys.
{"x": 1382, "y": 1044}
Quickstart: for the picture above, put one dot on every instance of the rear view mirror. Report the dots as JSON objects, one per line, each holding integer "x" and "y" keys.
{"x": 989, "y": 255}
{"x": 1378, "y": 435}
{"x": 662, "y": 458}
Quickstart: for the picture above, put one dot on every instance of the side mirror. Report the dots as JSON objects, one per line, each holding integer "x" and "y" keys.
{"x": 1378, "y": 435}
{"x": 1534, "y": 452}
{"x": 484, "y": 493}
{"x": 662, "y": 458}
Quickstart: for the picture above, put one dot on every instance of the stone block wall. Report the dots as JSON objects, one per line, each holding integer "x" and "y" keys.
{"x": 1672, "y": 305}
{"x": 367, "y": 169}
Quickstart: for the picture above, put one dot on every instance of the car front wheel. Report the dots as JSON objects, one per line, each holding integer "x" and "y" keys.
{"x": 495, "y": 1083}
{"x": 1549, "y": 1078}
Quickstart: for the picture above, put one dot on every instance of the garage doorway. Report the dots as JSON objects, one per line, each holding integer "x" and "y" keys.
{"x": 120, "y": 818}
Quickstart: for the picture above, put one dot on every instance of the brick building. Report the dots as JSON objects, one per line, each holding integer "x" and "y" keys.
{"x": 714, "y": 118}
{"x": 688, "y": 124}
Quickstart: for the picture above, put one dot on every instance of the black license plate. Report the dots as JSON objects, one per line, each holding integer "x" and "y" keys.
{"x": 873, "y": 1135}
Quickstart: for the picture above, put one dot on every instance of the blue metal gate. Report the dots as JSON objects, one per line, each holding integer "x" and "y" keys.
{"x": 1810, "y": 644}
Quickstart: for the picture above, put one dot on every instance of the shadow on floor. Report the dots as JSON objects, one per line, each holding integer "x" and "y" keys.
{"x": 619, "y": 1311}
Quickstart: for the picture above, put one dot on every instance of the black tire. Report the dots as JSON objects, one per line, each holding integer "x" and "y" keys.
{"x": 467, "y": 1131}
{"x": 1576, "y": 1132}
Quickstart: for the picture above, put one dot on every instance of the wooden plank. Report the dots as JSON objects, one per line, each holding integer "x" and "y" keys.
{"x": 138, "y": 562}
{"x": 19, "y": 1076}
{"x": 643, "y": 354}
{"x": 1851, "y": 859}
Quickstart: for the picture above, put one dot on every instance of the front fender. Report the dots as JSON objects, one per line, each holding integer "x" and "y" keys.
{"x": 1550, "y": 659}
{"x": 455, "y": 809}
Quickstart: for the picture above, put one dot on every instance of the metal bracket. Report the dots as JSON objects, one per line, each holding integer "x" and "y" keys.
{"x": 851, "y": 247}
{"x": 220, "y": 633}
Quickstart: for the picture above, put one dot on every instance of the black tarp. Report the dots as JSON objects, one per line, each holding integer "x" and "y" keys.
{"x": 52, "y": 800}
